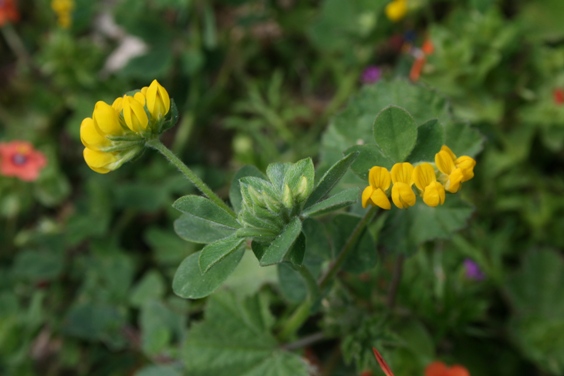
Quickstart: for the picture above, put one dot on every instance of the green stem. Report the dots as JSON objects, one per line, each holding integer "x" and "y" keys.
{"x": 13, "y": 40}
{"x": 156, "y": 144}
{"x": 302, "y": 313}
{"x": 347, "y": 248}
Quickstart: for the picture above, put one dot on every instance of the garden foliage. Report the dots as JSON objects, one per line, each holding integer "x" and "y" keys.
{"x": 335, "y": 177}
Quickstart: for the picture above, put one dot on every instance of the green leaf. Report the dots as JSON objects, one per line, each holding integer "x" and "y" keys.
{"x": 276, "y": 173}
{"x": 537, "y": 321}
{"x": 395, "y": 133}
{"x": 330, "y": 179}
{"x": 190, "y": 283}
{"x": 297, "y": 252}
{"x": 214, "y": 252}
{"x": 159, "y": 370}
{"x": 234, "y": 339}
{"x": 368, "y": 157}
{"x": 300, "y": 178}
{"x": 203, "y": 221}
{"x": 96, "y": 322}
{"x": 354, "y": 125}
{"x": 279, "y": 248}
{"x": 335, "y": 202}
{"x": 150, "y": 287}
{"x": 249, "y": 276}
{"x": 406, "y": 229}
{"x": 463, "y": 140}
{"x": 430, "y": 138}
{"x": 235, "y": 189}
{"x": 159, "y": 325}
{"x": 364, "y": 255}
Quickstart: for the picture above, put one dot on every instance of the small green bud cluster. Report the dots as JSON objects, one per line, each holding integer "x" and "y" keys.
{"x": 269, "y": 205}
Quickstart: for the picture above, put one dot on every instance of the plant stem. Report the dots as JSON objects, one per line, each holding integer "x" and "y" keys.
{"x": 298, "y": 318}
{"x": 14, "y": 41}
{"x": 302, "y": 313}
{"x": 396, "y": 279}
{"x": 156, "y": 144}
{"x": 347, "y": 248}
{"x": 305, "y": 341}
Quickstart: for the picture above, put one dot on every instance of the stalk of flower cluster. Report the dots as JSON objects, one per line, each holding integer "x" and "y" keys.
{"x": 301, "y": 314}
{"x": 156, "y": 144}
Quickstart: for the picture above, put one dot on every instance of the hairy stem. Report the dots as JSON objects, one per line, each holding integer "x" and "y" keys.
{"x": 156, "y": 144}
{"x": 347, "y": 248}
{"x": 396, "y": 279}
{"x": 302, "y": 312}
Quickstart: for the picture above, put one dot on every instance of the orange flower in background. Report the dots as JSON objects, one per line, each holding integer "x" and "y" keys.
{"x": 20, "y": 159}
{"x": 8, "y": 12}
{"x": 441, "y": 369}
{"x": 420, "y": 59}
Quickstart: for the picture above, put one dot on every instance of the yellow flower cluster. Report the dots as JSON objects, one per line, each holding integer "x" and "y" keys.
{"x": 64, "y": 9}
{"x": 396, "y": 10}
{"x": 115, "y": 134}
{"x": 447, "y": 174}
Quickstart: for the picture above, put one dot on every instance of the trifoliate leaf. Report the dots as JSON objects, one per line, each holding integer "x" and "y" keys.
{"x": 395, "y": 133}
{"x": 235, "y": 189}
{"x": 330, "y": 179}
{"x": 430, "y": 138}
{"x": 203, "y": 221}
{"x": 190, "y": 283}
{"x": 278, "y": 249}
{"x": 234, "y": 339}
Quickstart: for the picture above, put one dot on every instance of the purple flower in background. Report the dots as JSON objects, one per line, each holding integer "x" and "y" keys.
{"x": 371, "y": 74}
{"x": 473, "y": 270}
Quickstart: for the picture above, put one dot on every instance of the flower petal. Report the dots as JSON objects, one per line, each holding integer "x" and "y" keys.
{"x": 423, "y": 175}
{"x": 134, "y": 114}
{"x": 158, "y": 101}
{"x": 380, "y": 199}
{"x": 379, "y": 177}
{"x": 466, "y": 164}
{"x": 99, "y": 161}
{"x": 444, "y": 161}
{"x": 454, "y": 180}
{"x": 106, "y": 119}
{"x": 434, "y": 194}
{"x": 90, "y": 136}
{"x": 366, "y": 194}
{"x": 402, "y": 195}
{"x": 402, "y": 173}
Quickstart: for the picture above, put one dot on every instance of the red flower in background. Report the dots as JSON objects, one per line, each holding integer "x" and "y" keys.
{"x": 441, "y": 369}
{"x": 20, "y": 159}
{"x": 558, "y": 95}
{"x": 8, "y": 12}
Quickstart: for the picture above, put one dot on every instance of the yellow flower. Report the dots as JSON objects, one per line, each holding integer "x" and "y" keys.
{"x": 64, "y": 9}
{"x": 455, "y": 170}
{"x": 396, "y": 10}
{"x": 158, "y": 101}
{"x": 101, "y": 162}
{"x": 116, "y": 133}
{"x": 375, "y": 193}
{"x": 425, "y": 180}
{"x": 402, "y": 193}
{"x": 106, "y": 119}
{"x": 91, "y": 136}
{"x": 134, "y": 114}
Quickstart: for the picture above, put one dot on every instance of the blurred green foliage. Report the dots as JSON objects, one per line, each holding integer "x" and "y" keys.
{"x": 87, "y": 261}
